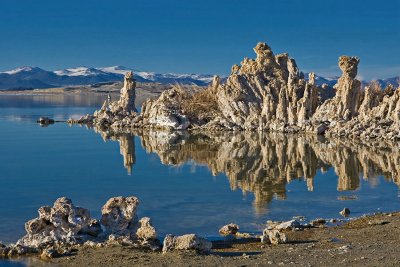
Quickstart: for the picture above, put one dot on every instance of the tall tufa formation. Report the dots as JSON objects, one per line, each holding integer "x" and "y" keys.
{"x": 267, "y": 93}
{"x": 126, "y": 101}
{"x": 344, "y": 105}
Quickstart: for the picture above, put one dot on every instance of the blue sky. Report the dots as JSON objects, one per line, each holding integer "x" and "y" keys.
{"x": 199, "y": 36}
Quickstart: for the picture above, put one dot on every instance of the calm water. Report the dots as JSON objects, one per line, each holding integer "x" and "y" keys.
{"x": 186, "y": 183}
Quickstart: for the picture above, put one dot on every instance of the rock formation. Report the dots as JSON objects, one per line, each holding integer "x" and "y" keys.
{"x": 64, "y": 227}
{"x": 165, "y": 112}
{"x": 344, "y": 105}
{"x": 119, "y": 214}
{"x": 229, "y": 229}
{"x": 186, "y": 242}
{"x": 118, "y": 113}
{"x": 268, "y": 93}
{"x": 61, "y": 224}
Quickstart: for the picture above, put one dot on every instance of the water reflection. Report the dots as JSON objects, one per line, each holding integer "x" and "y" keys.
{"x": 264, "y": 163}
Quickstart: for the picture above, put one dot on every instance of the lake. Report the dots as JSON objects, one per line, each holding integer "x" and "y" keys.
{"x": 187, "y": 183}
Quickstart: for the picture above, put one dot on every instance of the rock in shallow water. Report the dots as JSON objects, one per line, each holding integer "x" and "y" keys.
{"x": 229, "y": 229}
{"x": 345, "y": 212}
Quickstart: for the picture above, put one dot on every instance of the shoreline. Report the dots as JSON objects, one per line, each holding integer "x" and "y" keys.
{"x": 349, "y": 244}
{"x": 368, "y": 240}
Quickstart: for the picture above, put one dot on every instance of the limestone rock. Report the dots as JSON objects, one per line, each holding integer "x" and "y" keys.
{"x": 229, "y": 229}
{"x": 289, "y": 225}
{"x": 119, "y": 213}
{"x": 344, "y": 105}
{"x": 271, "y": 86}
{"x": 146, "y": 230}
{"x": 63, "y": 223}
{"x": 273, "y": 237}
{"x": 165, "y": 112}
{"x": 49, "y": 253}
{"x": 186, "y": 242}
{"x": 128, "y": 95}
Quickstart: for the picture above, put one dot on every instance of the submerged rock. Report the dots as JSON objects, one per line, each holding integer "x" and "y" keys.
{"x": 45, "y": 121}
{"x": 186, "y": 242}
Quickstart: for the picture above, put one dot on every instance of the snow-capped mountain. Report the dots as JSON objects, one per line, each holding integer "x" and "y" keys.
{"x": 34, "y": 77}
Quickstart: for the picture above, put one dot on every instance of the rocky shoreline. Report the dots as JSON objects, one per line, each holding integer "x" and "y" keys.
{"x": 268, "y": 93}
{"x": 66, "y": 235}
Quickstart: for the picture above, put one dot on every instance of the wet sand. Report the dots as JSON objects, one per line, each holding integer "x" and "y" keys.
{"x": 367, "y": 241}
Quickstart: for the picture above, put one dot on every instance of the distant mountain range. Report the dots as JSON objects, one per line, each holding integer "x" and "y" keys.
{"x": 37, "y": 78}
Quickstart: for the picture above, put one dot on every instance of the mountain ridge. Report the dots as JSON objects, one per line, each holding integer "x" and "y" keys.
{"x": 28, "y": 77}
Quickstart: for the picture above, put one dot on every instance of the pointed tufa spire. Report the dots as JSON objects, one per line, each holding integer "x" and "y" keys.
{"x": 128, "y": 93}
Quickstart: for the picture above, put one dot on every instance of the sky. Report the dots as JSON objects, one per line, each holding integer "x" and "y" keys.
{"x": 199, "y": 36}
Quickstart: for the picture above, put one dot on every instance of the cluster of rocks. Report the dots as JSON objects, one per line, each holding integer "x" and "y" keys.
{"x": 62, "y": 229}
{"x": 268, "y": 93}
{"x": 115, "y": 114}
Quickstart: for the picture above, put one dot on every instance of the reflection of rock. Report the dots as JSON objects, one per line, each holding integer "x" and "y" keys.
{"x": 263, "y": 163}
{"x": 127, "y": 150}
{"x": 127, "y": 146}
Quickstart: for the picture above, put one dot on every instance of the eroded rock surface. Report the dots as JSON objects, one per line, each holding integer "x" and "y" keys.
{"x": 229, "y": 229}
{"x": 268, "y": 93}
{"x": 119, "y": 214}
{"x": 273, "y": 237}
{"x": 186, "y": 242}
{"x": 64, "y": 227}
{"x": 61, "y": 224}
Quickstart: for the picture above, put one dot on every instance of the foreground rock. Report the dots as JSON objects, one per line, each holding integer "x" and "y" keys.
{"x": 186, "y": 242}
{"x": 356, "y": 243}
{"x": 64, "y": 227}
{"x": 273, "y": 237}
{"x": 61, "y": 225}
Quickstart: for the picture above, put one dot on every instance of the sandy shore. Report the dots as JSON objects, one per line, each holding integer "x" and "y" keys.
{"x": 367, "y": 241}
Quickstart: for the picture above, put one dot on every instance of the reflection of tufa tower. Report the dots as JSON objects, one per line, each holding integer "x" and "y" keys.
{"x": 128, "y": 93}
{"x": 127, "y": 150}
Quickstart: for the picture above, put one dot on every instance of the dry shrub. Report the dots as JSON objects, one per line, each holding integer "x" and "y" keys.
{"x": 198, "y": 102}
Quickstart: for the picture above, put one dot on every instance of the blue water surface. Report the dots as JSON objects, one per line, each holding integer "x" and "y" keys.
{"x": 178, "y": 185}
